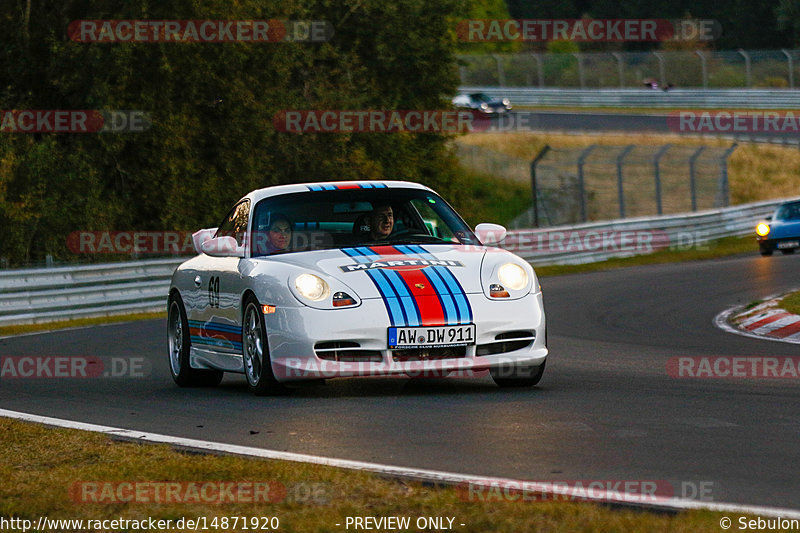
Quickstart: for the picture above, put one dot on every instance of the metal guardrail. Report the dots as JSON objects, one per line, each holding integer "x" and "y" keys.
{"x": 675, "y": 98}
{"x": 48, "y": 294}
{"x": 598, "y": 241}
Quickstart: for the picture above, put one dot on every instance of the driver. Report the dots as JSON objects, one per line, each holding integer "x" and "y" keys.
{"x": 381, "y": 222}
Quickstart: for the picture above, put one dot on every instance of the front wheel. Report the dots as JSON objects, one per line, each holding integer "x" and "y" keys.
{"x": 255, "y": 353}
{"x": 512, "y": 376}
{"x": 787, "y": 251}
{"x": 179, "y": 347}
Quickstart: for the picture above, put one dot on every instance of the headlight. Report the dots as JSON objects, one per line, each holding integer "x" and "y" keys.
{"x": 506, "y": 101}
{"x": 762, "y": 229}
{"x": 312, "y": 287}
{"x": 513, "y": 276}
{"x": 484, "y": 106}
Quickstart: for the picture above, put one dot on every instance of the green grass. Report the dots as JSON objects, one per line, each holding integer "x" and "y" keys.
{"x": 727, "y": 246}
{"x": 482, "y": 198}
{"x": 791, "y": 303}
{"x": 756, "y": 171}
{"x": 40, "y": 467}
{"x": 76, "y": 323}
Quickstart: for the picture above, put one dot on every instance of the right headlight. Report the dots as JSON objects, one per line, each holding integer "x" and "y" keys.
{"x": 513, "y": 276}
{"x": 762, "y": 229}
{"x": 312, "y": 287}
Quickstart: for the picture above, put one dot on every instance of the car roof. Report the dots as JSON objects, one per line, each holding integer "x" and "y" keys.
{"x": 277, "y": 190}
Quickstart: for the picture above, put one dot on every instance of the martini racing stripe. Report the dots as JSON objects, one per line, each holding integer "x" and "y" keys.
{"x": 446, "y": 304}
{"x": 352, "y": 185}
{"x": 428, "y": 303}
{"x": 398, "y": 313}
{"x": 215, "y": 334}
{"x": 464, "y": 310}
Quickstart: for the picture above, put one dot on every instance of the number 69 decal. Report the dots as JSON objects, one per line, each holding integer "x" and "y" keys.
{"x": 213, "y": 291}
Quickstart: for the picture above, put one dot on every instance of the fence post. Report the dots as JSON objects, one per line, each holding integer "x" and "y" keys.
{"x": 501, "y": 75}
{"x": 620, "y": 186}
{"x": 723, "y": 175}
{"x": 535, "y": 162}
{"x": 621, "y": 68}
{"x": 692, "y": 181}
{"x": 661, "y": 71}
{"x": 539, "y": 69}
{"x": 656, "y": 160}
{"x": 581, "y": 184}
{"x": 579, "y": 57}
{"x": 791, "y": 67}
{"x": 748, "y": 80}
{"x": 703, "y": 66}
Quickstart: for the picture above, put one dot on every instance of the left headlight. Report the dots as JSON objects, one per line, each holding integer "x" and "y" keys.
{"x": 763, "y": 229}
{"x": 312, "y": 287}
{"x": 513, "y": 276}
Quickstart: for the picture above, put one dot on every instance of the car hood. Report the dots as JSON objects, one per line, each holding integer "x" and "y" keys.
{"x": 782, "y": 230}
{"x": 422, "y": 268}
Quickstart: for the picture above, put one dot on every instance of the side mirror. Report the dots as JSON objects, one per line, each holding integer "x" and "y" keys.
{"x": 224, "y": 246}
{"x": 769, "y": 218}
{"x": 490, "y": 234}
{"x": 201, "y": 236}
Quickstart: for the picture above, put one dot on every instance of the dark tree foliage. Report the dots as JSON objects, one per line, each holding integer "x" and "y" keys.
{"x": 212, "y": 138}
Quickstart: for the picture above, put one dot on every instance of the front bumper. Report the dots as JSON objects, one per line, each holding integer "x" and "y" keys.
{"x": 294, "y": 333}
{"x": 783, "y": 243}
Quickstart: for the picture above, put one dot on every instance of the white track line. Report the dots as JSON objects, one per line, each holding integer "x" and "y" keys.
{"x": 449, "y": 478}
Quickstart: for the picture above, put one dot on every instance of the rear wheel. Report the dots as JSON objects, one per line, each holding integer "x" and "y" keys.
{"x": 255, "y": 353}
{"x": 179, "y": 348}
{"x": 510, "y": 376}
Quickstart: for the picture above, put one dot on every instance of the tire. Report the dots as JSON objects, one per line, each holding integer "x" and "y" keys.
{"x": 255, "y": 353}
{"x": 179, "y": 344}
{"x": 765, "y": 252}
{"x": 517, "y": 377}
{"x": 787, "y": 251}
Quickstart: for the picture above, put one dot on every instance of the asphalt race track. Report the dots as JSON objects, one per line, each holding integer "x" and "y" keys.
{"x": 605, "y": 409}
{"x": 624, "y": 123}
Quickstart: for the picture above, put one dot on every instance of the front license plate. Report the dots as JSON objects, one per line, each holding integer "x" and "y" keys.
{"x": 432, "y": 336}
{"x": 788, "y": 244}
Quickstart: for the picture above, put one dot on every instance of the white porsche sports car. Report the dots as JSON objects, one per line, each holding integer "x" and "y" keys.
{"x": 321, "y": 280}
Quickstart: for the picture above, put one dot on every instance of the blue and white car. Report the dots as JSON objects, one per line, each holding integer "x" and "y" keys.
{"x": 431, "y": 298}
{"x": 781, "y": 231}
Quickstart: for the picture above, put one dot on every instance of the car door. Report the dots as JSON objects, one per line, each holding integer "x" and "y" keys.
{"x": 218, "y": 325}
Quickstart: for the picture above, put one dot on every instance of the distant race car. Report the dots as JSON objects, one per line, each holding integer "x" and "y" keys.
{"x": 321, "y": 280}
{"x": 781, "y": 231}
{"x": 482, "y": 103}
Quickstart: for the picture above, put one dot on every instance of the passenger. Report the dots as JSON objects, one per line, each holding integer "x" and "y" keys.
{"x": 279, "y": 235}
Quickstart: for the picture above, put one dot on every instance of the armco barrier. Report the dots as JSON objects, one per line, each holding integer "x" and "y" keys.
{"x": 47, "y": 294}
{"x": 675, "y": 98}
{"x": 685, "y": 231}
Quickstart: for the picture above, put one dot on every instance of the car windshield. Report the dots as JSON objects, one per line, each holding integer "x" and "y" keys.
{"x": 355, "y": 217}
{"x": 788, "y": 212}
{"x": 481, "y": 97}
